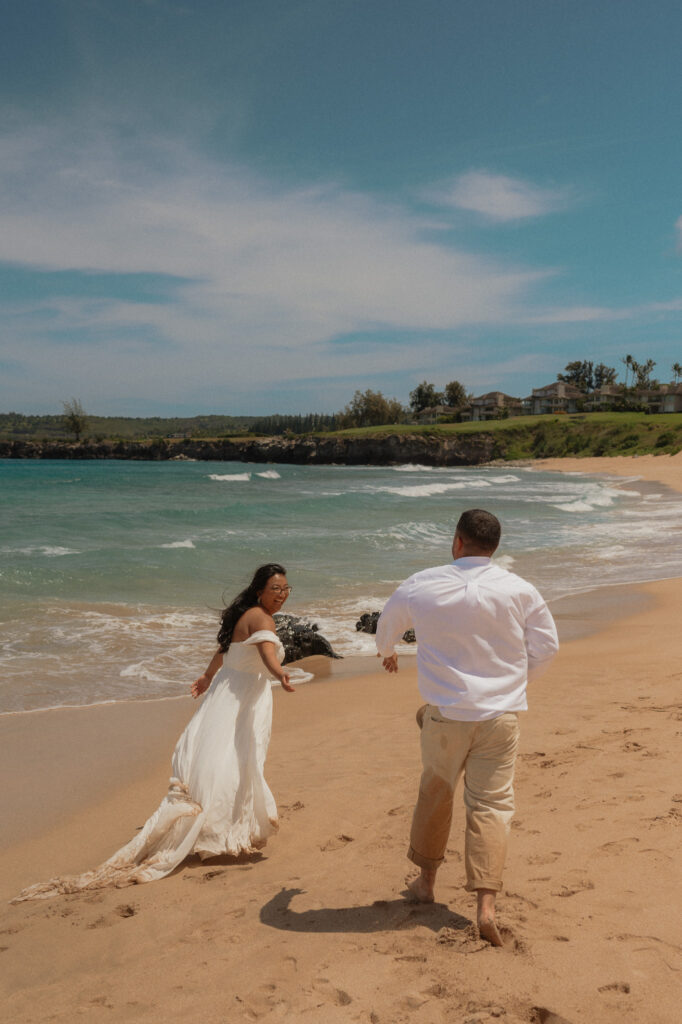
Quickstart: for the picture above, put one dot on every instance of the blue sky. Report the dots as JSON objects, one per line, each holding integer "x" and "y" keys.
{"x": 261, "y": 206}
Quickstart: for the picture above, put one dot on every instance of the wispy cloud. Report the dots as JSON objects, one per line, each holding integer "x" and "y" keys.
{"x": 264, "y": 273}
{"x": 604, "y": 314}
{"x": 497, "y": 197}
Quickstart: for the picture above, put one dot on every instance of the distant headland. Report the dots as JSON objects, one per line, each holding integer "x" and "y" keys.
{"x": 447, "y": 444}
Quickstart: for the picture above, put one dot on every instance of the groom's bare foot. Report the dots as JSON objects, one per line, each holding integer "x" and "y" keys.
{"x": 488, "y": 930}
{"x": 421, "y": 888}
{"x": 485, "y": 917}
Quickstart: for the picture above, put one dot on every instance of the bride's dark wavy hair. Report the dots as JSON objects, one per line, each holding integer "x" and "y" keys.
{"x": 247, "y": 599}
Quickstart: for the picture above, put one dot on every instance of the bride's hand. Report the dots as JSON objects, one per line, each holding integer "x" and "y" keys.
{"x": 200, "y": 686}
{"x": 286, "y": 685}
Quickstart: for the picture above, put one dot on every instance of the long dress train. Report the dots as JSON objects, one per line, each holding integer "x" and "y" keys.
{"x": 218, "y": 800}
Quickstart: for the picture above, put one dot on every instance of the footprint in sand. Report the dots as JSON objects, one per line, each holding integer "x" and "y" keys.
{"x": 615, "y": 986}
{"x": 672, "y": 817}
{"x": 462, "y": 940}
{"x": 544, "y": 858}
{"x": 337, "y": 842}
{"x": 100, "y": 922}
{"x": 521, "y": 899}
{"x": 617, "y": 846}
{"x": 511, "y": 942}
{"x": 583, "y": 885}
{"x": 540, "y": 1015}
{"x": 286, "y": 809}
{"x": 126, "y": 910}
{"x": 332, "y": 994}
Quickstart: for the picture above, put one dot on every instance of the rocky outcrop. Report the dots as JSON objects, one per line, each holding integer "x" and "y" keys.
{"x": 368, "y": 624}
{"x": 301, "y": 639}
{"x": 471, "y": 449}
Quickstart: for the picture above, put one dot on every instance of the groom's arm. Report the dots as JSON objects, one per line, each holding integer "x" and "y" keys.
{"x": 393, "y": 622}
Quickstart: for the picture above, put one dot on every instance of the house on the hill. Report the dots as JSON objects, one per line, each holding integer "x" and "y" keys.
{"x": 494, "y": 405}
{"x": 435, "y": 413}
{"x": 672, "y": 399}
{"x": 603, "y": 399}
{"x": 559, "y": 396}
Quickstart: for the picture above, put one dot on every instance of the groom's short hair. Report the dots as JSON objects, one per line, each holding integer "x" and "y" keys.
{"x": 479, "y": 529}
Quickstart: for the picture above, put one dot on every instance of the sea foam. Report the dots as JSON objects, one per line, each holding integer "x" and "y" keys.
{"x": 231, "y": 477}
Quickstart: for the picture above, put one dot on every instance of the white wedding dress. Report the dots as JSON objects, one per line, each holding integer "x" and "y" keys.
{"x": 218, "y": 801}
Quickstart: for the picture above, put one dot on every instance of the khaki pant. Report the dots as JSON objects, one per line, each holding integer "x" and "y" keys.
{"x": 485, "y": 752}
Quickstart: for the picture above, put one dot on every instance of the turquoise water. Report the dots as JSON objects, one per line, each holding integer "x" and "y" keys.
{"x": 111, "y": 572}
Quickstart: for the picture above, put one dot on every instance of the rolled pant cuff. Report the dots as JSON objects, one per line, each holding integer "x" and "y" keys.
{"x": 483, "y": 883}
{"x": 424, "y": 862}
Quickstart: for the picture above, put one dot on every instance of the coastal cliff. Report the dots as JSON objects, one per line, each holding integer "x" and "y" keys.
{"x": 398, "y": 449}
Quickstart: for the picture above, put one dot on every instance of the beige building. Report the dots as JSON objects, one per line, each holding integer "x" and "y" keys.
{"x": 604, "y": 398}
{"x": 672, "y": 399}
{"x": 556, "y": 397}
{"x": 494, "y": 405}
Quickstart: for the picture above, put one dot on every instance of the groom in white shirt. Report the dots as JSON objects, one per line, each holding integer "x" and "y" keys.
{"x": 482, "y": 632}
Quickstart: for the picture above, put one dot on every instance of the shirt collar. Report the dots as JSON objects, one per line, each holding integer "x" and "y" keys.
{"x": 472, "y": 561}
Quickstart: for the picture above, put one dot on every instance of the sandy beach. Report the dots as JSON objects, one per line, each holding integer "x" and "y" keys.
{"x": 316, "y": 928}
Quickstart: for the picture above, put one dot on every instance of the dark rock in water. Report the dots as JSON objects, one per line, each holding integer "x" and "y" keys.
{"x": 301, "y": 639}
{"x": 368, "y": 624}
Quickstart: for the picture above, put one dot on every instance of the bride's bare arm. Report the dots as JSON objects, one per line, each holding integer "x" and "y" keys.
{"x": 202, "y": 684}
{"x": 267, "y": 651}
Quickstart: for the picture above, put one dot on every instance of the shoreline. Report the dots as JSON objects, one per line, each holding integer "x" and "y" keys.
{"x": 103, "y": 729}
{"x": 659, "y": 469}
{"x": 577, "y": 614}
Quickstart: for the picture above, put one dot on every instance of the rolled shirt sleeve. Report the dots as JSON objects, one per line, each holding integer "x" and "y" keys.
{"x": 394, "y": 620}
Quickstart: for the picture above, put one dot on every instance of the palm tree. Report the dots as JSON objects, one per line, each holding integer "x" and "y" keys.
{"x": 629, "y": 365}
{"x": 677, "y": 370}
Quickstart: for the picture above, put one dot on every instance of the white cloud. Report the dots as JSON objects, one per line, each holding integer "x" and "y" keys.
{"x": 500, "y": 198}
{"x": 272, "y": 273}
{"x": 603, "y": 314}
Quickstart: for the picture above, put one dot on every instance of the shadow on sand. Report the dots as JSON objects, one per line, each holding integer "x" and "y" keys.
{"x": 380, "y": 916}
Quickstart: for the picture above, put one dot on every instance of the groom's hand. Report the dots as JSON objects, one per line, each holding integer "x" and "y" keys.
{"x": 391, "y": 663}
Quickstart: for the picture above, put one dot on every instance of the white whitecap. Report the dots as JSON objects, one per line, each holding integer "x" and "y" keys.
{"x": 179, "y": 544}
{"x": 269, "y": 474}
{"x": 412, "y": 467}
{"x": 615, "y": 551}
{"x": 509, "y": 479}
{"x": 232, "y": 477}
{"x": 421, "y": 491}
{"x": 575, "y": 506}
{"x": 50, "y": 551}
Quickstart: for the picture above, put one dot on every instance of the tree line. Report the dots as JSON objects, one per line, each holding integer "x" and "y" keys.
{"x": 366, "y": 409}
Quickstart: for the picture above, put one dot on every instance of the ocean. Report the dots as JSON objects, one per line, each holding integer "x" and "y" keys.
{"x": 113, "y": 573}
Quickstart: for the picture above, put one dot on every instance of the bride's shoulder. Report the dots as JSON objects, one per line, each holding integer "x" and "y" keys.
{"x": 253, "y": 621}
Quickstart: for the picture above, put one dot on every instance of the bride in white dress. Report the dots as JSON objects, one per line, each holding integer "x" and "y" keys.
{"x": 218, "y": 801}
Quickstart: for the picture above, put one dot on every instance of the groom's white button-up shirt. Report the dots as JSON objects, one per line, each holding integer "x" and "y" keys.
{"x": 481, "y": 633}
